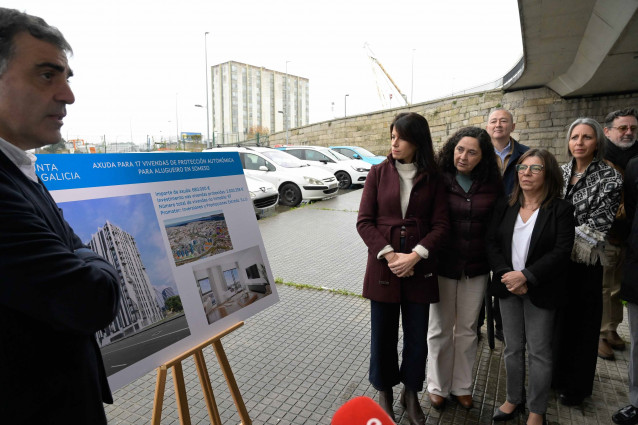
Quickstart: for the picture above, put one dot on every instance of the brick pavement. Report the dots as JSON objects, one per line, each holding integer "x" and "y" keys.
{"x": 301, "y": 359}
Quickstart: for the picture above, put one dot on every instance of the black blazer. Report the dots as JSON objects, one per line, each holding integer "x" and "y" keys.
{"x": 54, "y": 295}
{"x": 549, "y": 251}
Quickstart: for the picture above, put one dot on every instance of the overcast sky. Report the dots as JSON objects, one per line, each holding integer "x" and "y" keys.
{"x": 140, "y": 65}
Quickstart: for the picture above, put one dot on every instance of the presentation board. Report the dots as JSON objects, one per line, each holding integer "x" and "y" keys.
{"x": 181, "y": 230}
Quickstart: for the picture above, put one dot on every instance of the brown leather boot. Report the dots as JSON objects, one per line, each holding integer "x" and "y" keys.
{"x": 410, "y": 401}
{"x": 604, "y": 350}
{"x": 385, "y": 401}
{"x": 613, "y": 339}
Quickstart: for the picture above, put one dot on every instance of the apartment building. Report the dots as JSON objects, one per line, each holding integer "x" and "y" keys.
{"x": 245, "y": 96}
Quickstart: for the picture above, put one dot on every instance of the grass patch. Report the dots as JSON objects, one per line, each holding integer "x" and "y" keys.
{"x": 332, "y": 209}
{"x": 280, "y": 281}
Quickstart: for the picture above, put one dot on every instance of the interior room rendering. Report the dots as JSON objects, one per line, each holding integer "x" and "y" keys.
{"x": 231, "y": 283}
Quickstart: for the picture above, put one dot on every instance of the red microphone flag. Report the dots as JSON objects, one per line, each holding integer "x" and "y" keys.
{"x": 361, "y": 411}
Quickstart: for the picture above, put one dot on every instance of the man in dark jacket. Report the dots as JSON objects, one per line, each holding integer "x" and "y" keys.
{"x": 628, "y": 415}
{"x": 500, "y": 125}
{"x": 55, "y": 293}
{"x": 621, "y": 129}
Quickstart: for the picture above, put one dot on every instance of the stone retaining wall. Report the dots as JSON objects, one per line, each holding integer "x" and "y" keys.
{"x": 541, "y": 116}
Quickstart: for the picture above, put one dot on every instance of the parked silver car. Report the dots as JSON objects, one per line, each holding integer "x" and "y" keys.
{"x": 264, "y": 196}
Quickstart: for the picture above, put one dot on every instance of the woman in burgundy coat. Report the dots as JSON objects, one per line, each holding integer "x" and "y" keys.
{"x": 403, "y": 220}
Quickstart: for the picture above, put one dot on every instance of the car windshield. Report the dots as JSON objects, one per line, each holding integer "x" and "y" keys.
{"x": 284, "y": 159}
{"x": 364, "y": 152}
{"x": 334, "y": 155}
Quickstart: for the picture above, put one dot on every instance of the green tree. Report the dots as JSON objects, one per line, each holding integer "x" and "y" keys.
{"x": 174, "y": 304}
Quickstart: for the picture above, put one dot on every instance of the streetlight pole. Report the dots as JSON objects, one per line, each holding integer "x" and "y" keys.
{"x": 286, "y": 102}
{"x": 200, "y": 106}
{"x": 283, "y": 117}
{"x": 412, "y": 88}
{"x": 345, "y": 104}
{"x": 207, "y": 113}
{"x": 177, "y": 123}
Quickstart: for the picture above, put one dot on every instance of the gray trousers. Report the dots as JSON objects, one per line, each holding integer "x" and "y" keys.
{"x": 632, "y": 310}
{"x": 523, "y": 321}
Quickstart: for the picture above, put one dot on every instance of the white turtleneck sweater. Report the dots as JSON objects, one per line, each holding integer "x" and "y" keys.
{"x": 407, "y": 173}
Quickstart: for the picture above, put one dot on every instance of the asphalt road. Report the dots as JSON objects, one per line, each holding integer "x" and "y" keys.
{"x": 125, "y": 352}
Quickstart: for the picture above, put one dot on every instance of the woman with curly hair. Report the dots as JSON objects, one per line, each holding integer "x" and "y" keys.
{"x": 472, "y": 186}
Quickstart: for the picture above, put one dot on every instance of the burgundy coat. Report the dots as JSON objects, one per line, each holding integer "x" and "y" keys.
{"x": 464, "y": 250}
{"x": 379, "y": 224}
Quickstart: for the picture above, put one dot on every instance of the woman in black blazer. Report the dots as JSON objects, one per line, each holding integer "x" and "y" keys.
{"x": 529, "y": 242}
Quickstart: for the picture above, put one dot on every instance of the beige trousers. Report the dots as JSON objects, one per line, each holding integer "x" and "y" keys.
{"x": 612, "y": 275}
{"x": 452, "y": 339}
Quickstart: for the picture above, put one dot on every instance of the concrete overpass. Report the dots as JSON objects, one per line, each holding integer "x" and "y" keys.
{"x": 580, "y": 60}
{"x": 578, "y": 48}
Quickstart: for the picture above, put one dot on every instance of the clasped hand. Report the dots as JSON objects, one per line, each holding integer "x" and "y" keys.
{"x": 401, "y": 264}
{"x": 515, "y": 282}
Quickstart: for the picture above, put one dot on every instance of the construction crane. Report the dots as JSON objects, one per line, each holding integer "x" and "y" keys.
{"x": 382, "y": 93}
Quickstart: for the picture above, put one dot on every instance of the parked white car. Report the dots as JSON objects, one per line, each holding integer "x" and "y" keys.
{"x": 264, "y": 196}
{"x": 295, "y": 180}
{"x": 347, "y": 171}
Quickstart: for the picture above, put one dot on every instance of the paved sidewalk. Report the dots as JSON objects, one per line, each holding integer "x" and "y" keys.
{"x": 298, "y": 361}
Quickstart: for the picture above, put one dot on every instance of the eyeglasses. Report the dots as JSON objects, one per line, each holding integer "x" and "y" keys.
{"x": 535, "y": 168}
{"x": 623, "y": 128}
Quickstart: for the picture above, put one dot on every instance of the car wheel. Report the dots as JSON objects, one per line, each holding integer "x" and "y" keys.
{"x": 289, "y": 195}
{"x": 344, "y": 179}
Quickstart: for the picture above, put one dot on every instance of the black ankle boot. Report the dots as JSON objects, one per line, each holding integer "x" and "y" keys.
{"x": 385, "y": 401}
{"x": 410, "y": 401}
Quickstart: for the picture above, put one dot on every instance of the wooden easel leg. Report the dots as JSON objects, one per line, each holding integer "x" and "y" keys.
{"x": 180, "y": 388}
{"x": 232, "y": 384}
{"x": 204, "y": 380}
{"x": 160, "y": 385}
{"x": 180, "y": 394}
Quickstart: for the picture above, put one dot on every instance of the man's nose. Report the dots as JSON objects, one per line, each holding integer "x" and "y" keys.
{"x": 65, "y": 94}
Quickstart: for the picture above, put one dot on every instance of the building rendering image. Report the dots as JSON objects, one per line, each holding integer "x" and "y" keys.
{"x": 198, "y": 237}
{"x": 139, "y": 307}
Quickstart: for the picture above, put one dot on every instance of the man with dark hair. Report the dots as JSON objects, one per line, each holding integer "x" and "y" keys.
{"x": 628, "y": 415}
{"x": 55, "y": 293}
{"x": 621, "y": 130}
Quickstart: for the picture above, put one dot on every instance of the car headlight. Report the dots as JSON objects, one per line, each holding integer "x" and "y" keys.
{"x": 253, "y": 195}
{"x": 360, "y": 169}
{"x": 313, "y": 180}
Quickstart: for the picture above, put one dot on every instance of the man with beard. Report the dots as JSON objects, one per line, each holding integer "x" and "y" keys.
{"x": 621, "y": 129}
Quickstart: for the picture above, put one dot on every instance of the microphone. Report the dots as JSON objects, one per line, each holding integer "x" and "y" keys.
{"x": 361, "y": 411}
